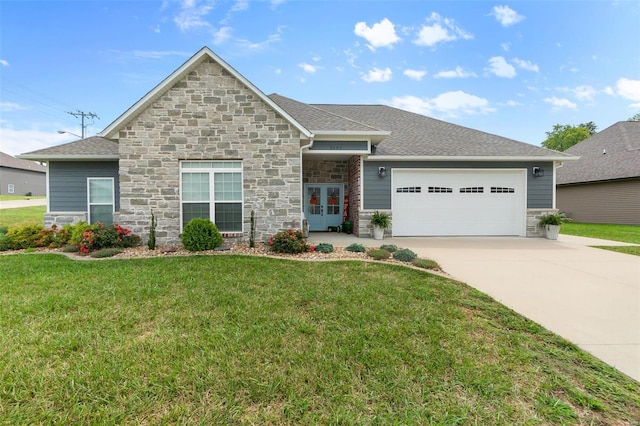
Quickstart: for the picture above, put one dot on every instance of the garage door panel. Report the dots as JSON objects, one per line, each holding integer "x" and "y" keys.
{"x": 470, "y": 208}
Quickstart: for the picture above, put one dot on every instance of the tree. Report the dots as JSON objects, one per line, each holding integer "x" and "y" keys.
{"x": 565, "y": 136}
{"x": 635, "y": 117}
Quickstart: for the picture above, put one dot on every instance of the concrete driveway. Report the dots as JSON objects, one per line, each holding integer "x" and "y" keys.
{"x": 589, "y": 296}
{"x": 15, "y": 204}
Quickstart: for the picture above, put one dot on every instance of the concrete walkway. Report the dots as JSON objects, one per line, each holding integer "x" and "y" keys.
{"x": 589, "y": 296}
{"x": 15, "y": 204}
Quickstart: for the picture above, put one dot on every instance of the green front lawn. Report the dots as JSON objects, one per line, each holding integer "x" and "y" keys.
{"x": 22, "y": 216}
{"x": 624, "y": 233}
{"x": 250, "y": 340}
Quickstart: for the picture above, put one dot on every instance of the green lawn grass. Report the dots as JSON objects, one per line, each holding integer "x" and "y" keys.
{"x": 21, "y": 197}
{"x": 22, "y": 216}
{"x": 250, "y": 340}
{"x": 634, "y": 250}
{"x": 623, "y": 233}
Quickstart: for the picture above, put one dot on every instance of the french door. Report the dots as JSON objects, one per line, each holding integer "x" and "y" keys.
{"x": 323, "y": 205}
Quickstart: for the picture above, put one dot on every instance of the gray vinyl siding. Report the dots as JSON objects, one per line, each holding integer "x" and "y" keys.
{"x": 377, "y": 191}
{"x": 68, "y": 183}
{"x": 23, "y": 181}
{"x": 604, "y": 202}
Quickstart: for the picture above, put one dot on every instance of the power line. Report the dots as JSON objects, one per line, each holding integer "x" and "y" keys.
{"x": 83, "y": 114}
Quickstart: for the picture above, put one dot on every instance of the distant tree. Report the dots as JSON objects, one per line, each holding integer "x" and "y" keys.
{"x": 590, "y": 126}
{"x": 635, "y": 117}
{"x": 563, "y": 137}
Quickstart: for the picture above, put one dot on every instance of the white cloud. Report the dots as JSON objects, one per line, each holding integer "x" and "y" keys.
{"x": 261, "y": 45}
{"x": 526, "y": 65}
{"x": 4, "y": 63}
{"x": 278, "y": 71}
{"x": 221, "y": 35}
{"x": 157, "y": 54}
{"x": 457, "y": 73}
{"x": 381, "y": 34}
{"x": 415, "y": 74}
{"x": 560, "y": 103}
{"x": 15, "y": 142}
{"x": 441, "y": 30}
{"x": 629, "y": 89}
{"x": 609, "y": 91}
{"x": 10, "y": 106}
{"x": 451, "y": 104}
{"x": 192, "y": 15}
{"x": 585, "y": 93}
{"x": 308, "y": 68}
{"x": 506, "y": 16}
{"x": 376, "y": 75}
{"x": 505, "y": 46}
{"x": 240, "y": 5}
{"x": 499, "y": 67}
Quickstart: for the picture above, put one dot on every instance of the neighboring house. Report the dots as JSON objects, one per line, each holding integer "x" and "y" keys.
{"x": 603, "y": 186}
{"x": 207, "y": 143}
{"x": 21, "y": 177}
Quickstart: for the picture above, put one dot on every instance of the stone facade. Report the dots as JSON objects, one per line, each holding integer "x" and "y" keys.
{"x": 63, "y": 218}
{"x": 209, "y": 115}
{"x": 365, "y": 229}
{"x": 533, "y": 218}
{"x": 325, "y": 171}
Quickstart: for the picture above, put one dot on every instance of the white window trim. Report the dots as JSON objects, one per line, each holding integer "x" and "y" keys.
{"x": 212, "y": 201}
{"x": 113, "y": 197}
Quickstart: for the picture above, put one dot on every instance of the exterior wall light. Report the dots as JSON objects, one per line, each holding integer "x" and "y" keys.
{"x": 538, "y": 172}
{"x": 382, "y": 172}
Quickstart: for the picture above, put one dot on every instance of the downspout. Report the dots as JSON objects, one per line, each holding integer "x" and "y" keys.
{"x": 302, "y": 216}
{"x": 556, "y": 166}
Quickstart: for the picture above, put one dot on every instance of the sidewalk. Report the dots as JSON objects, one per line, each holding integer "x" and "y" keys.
{"x": 16, "y": 204}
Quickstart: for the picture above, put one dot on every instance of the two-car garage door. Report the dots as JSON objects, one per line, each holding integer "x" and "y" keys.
{"x": 432, "y": 202}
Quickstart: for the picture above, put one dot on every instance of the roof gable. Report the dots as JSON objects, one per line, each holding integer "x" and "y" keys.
{"x": 613, "y": 153}
{"x": 203, "y": 54}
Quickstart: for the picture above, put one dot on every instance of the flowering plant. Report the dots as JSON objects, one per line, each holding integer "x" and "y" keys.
{"x": 289, "y": 241}
{"x": 99, "y": 236}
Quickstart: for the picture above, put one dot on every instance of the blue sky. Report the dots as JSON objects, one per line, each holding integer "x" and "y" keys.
{"x": 511, "y": 68}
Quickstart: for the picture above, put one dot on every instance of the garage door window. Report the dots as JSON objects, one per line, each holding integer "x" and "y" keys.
{"x": 409, "y": 189}
{"x": 440, "y": 189}
{"x": 472, "y": 190}
{"x": 502, "y": 190}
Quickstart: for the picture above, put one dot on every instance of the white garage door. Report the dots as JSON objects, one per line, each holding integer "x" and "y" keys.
{"x": 431, "y": 202}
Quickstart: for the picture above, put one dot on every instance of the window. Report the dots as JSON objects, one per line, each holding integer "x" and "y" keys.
{"x": 502, "y": 190}
{"x": 409, "y": 189}
{"x": 11, "y": 189}
{"x": 100, "y": 200}
{"x": 472, "y": 190}
{"x": 212, "y": 190}
{"x": 440, "y": 189}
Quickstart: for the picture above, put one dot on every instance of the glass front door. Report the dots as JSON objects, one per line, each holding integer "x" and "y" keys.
{"x": 323, "y": 205}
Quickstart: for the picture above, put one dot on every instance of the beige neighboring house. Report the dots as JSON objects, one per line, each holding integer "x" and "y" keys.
{"x": 603, "y": 186}
{"x": 21, "y": 177}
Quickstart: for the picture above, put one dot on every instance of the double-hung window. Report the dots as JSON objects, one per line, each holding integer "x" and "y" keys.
{"x": 212, "y": 190}
{"x": 100, "y": 196}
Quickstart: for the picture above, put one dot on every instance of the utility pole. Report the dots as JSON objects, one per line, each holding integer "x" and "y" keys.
{"x": 83, "y": 114}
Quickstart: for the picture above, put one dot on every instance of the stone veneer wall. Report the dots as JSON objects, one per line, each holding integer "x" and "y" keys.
{"x": 365, "y": 228}
{"x": 63, "y": 218}
{"x": 533, "y": 218}
{"x": 325, "y": 171}
{"x": 208, "y": 115}
{"x": 354, "y": 193}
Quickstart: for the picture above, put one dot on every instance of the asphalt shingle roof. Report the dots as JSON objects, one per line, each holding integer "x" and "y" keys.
{"x": 94, "y": 146}
{"x": 7, "y": 160}
{"x": 613, "y": 153}
{"x": 418, "y": 135}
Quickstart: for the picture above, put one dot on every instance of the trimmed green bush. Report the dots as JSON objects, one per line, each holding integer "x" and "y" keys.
{"x": 379, "y": 254}
{"x": 391, "y": 248}
{"x": 426, "y": 264}
{"x": 356, "y": 248}
{"x": 71, "y": 248}
{"x": 4, "y": 229}
{"x": 324, "y": 248}
{"x": 290, "y": 241}
{"x": 4, "y": 242}
{"x": 22, "y": 237}
{"x": 404, "y": 255}
{"x": 77, "y": 230}
{"x": 201, "y": 234}
{"x": 106, "y": 252}
{"x": 98, "y": 236}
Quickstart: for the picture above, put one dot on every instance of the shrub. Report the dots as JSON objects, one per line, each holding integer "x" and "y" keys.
{"x": 23, "y": 237}
{"x": 54, "y": 237}
{"x": 4, "y": 242}
{"x": 356, "y": 248}
{"x": 554, "y": 219}
{"x": 391, "y": 248}
{"x": 404, "y": 255}
{"x": 77, "y": 230}
{"x": 99, "y": 236}
{"x": 106, "y": 252}
{"x": 379, "y": 254}
{"x": 71, "y": 248}
{"x": 324, "y": 248}
{"x": 426, "y": 264}
{"x": 290, "y": 241}
{"x": 152, "y": 233}
{"x": 381, "y": 220}
{"x": 3, "y": 229}
{"x": 201, "y": 234}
